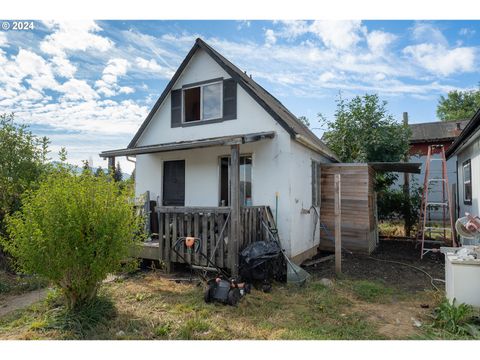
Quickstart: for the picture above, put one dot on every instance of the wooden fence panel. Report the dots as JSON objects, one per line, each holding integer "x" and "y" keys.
{"x": 212, "y": 226}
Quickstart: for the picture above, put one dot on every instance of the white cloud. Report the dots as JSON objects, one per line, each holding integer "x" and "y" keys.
{"x": 440, "y": 60}
{"x": 75, "y": 89}
{"x": 427, "y": 33}
{"x": 270, "y": 38}
{"x": 294, "y": 28}
{"x": 3, "y": 39}
{"x": 378, "y": 41}
{"x": 340, "y": 35}
{"x": 63, "y": 67}
{"x": 74, "y": 36}
{"x": 108, "y": 84}
{"x": 466, "y": 32}
{"x": 33, "y": 68}
{"x": 326, "y": 76}
{"x": 126, "y": 90}
{"x": 150, "y": 65}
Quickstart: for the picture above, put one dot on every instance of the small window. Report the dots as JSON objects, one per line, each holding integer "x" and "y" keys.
{"x": 467, "y": 182}
{"x": 191, "y": 100}
{"x": 202, "y": 102}
{"x": 245, "y": 181}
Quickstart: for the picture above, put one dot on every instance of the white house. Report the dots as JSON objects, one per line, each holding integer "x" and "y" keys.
{"x": 217, "y": 140}
{"x": 467, "y": 150}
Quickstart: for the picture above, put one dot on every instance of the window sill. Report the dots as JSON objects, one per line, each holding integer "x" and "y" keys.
{"x": 205, "y": 122}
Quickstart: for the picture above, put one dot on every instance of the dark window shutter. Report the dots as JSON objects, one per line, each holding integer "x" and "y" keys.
{"x": 229, "y": 99}
{"x": 176, "y": 100}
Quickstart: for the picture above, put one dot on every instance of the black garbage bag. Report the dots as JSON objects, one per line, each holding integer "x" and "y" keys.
{"x": 262, "y": 262}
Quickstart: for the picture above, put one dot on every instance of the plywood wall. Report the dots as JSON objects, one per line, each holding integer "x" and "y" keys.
{"x": 359, "y": 225}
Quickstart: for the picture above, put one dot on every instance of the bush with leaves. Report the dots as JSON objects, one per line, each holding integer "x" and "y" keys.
{"x": 23, "y": 158}
{"x": 395, "y": 204}
{"x": 74, "y": 230}
{"x": 456, "y": 318}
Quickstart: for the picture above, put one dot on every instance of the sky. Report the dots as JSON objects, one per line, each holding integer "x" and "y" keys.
{"x": 88, "y": 85}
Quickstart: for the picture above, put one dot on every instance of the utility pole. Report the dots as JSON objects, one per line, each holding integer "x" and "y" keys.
{"x": 406, "y": 188}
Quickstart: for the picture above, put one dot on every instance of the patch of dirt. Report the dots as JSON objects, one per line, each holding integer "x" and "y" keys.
{"x": 394, "y": 320}
{"x": 405, "y": 278}
{"x": 15, "y": 302}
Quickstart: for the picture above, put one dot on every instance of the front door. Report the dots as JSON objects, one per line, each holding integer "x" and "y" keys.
{"x": 174, "y": 183}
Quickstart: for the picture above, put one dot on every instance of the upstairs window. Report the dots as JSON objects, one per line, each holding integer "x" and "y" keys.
{"x": 467, "y": 182}
{"x": 202, "y": 102}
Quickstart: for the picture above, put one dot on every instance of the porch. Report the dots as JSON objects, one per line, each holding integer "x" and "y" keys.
{"x": 183, "y": 174}
{"x": 213, "y": 225}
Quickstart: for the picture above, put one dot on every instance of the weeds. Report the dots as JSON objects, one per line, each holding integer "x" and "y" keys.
{"x": 371, "y": 291}
{"x": 455, "y": 318}
{"x": 79, "y": 322}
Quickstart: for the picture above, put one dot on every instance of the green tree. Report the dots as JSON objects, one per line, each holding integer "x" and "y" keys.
{"x": 99, "y": 171}
{"x": 364, "y": 131}
{"x": 458, "y": 105}
{"x": 117, "y": 174}
{"x": 73, "y": 230}
{"x": 304, "y": 120}
{"x": 86, "y": 167}
{"x": 23, "y": 161}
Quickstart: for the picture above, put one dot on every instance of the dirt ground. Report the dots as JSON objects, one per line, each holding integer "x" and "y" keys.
{"x": 392, "y": 274}
{"x": 14, "y": 302}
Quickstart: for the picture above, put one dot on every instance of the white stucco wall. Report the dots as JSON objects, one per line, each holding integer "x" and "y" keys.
{"x": 279, "y": 165}
{"x": 251, "y": 117}
{"x": 472, "y": 152}
{"x": 300, "y": 198}
{"x": 270, "y": 159}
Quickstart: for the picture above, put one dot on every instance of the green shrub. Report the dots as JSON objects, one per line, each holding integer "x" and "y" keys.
{"x": 73, "y": 230}
{"x": 453, "y": 317}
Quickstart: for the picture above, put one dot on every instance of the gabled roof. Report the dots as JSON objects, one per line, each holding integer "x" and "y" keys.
{"x": 470, "y": 129}
{"x": 436, "y": 131}
{"x": 268, "y": 102}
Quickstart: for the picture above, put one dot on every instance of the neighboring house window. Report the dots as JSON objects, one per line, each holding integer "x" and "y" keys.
{"x": 316, "y": 192}
{"x": 202, "y": 102}
{"x": 467, "y": 182}
{"x": 245, "y": 180}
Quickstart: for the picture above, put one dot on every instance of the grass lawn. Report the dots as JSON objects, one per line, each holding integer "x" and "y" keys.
{"x": 148, "y": 305}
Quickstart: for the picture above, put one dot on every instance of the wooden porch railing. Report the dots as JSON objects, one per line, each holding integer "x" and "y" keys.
{"x": 213, "y": 226}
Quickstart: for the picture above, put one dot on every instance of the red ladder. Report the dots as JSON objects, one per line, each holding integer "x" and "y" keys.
{"x": 425, "y": 224}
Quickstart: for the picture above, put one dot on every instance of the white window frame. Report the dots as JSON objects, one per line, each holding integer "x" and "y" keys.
{"x": 201, "y": 86}
{"x": 465, "y": 182}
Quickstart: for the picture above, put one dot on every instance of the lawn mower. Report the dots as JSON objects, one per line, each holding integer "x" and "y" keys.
{"x": 222, "y": 288}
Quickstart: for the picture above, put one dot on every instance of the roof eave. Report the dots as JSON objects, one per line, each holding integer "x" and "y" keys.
{"x": 467, "y": 132}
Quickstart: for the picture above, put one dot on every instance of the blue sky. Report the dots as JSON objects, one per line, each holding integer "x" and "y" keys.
{"x": 88, "y": 85}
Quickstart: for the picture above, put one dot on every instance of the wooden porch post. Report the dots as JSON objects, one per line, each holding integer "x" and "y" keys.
{"x": 111, "y": 164}
{"x": 233, "y": 244}
{"x": 338, "y": 224}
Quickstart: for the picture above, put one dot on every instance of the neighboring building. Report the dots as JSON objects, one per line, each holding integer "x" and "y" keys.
{"x": 432, "y": 133}
{"x": 466, "y": 151}
{"x": 211, "y": 115}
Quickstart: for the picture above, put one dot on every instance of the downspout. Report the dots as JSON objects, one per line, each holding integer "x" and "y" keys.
{"x": 456, "y": 174}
